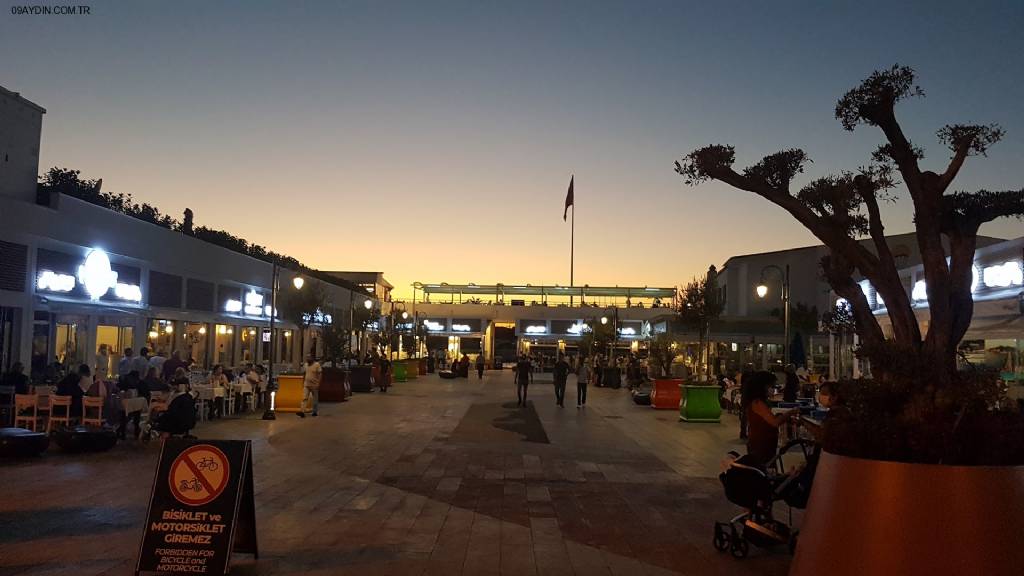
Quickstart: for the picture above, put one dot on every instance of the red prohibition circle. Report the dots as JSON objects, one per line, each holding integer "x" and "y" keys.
{"x": 199, "y": 475}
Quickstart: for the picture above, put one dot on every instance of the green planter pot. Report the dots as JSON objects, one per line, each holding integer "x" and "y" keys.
{"x": 401, "y": 372}
{"x": 699, "y": 403}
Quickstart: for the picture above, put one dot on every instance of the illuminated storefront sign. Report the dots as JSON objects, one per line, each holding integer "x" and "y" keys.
{"x": 535, "y": 329}
{"x": 433, "y": 326}
{"x": 1004, "y": 275}
{"x": 233, "y": 305}
{"x": 461, "y": 328}
{"x": 93, "y": 278}
{"x": 254, "y": 303}
{"x": 54, "y": 282}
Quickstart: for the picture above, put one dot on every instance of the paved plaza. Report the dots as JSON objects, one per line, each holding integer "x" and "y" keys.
{"x": 440, "y": 477}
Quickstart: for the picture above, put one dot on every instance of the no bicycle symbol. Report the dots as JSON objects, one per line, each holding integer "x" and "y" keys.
{"x": 199, "y": 475}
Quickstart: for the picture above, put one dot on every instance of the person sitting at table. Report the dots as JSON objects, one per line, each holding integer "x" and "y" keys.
{"x": 218, "y": 380}
{"x": 179, "y": 380}
{"x": 762, "y": 424}
{"x": 74, "y": 385}
{"x": 152, "y": 383}
{"x": 17, "y": 379}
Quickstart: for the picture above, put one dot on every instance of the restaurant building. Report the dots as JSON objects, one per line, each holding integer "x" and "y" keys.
{"x": 503, "y": 320}
{"x": 80, "y": 283}
{"x": 995, "y": 337}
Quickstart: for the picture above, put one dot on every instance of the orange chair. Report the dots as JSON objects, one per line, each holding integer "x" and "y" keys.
{"x": 57, "y": 402}
{"x": 26, "y": 409}
{"x": 92, "y": 404}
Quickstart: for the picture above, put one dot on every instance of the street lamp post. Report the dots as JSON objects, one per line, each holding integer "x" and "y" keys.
{"x": 762, "y": 291}
{"x": 298, "y": 282}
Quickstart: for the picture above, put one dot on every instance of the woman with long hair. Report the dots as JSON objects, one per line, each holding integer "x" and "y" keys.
{"x": 762, "y": 424}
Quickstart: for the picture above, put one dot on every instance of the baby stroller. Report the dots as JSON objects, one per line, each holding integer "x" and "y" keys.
{"x": 178, "y": 420}
{"x": 756, "y": 489}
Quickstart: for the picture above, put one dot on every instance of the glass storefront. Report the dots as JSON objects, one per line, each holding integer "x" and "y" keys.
{"x": 110, "y": 344}
{"x": 161, "y": 337}
{"x": 69, "y": 345}
{"x": 195, "y": 336}
{"x": 224, "y": 345}
{"x": 249, "y": 338}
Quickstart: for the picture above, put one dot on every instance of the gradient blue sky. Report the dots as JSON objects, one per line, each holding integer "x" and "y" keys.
{"x": 434, "y": 140}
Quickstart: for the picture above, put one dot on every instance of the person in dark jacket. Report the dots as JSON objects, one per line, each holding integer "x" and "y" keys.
{"x": 17, "y": 379}
{"x": 792, "y": 386}
{"x": 72, "y": 385}
{"x": 561, "y": 375}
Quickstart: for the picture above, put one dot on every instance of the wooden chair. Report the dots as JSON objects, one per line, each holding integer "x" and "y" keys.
{"x": 7, "y": 405}
{"x": 57, "y": 402}
{"x": 26, "y": 409}
{"x": 92, "y": 403}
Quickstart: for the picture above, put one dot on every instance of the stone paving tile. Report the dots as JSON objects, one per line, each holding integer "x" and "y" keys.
{"x": 435, "y": 477}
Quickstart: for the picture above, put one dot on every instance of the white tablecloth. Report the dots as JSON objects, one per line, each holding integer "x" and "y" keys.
{"x": 130, "y": 405}
{"x": 241, "y": 388}
{"x": 209, "y": 392}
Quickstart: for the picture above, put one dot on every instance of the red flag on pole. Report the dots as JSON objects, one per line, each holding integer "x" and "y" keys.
{"x": 568, "y": 198}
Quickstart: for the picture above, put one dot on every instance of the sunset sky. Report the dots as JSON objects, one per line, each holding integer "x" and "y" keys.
{"x": 434, "y": 140}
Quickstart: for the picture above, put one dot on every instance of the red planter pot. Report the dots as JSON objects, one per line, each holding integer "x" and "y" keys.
{"x": 874, "y": 517}
{"x": 332, "y": 385}
{"x": 666, "y": 394}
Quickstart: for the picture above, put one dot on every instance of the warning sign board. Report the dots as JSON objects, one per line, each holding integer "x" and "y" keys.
{"x": 201, "y": 508}
{"x": 199, "y": 475}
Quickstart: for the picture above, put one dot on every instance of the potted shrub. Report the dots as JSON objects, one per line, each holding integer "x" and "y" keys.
{"x": 922, "y": 473}
{"x": 334, "y": 385}
{"x": 700, "y": 304}
{"x": 665, "y": 393}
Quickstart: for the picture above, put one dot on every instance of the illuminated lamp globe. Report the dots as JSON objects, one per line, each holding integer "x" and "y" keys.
{"x": 762, "y": 290}
{"x": 298, "y": 282}
{"x": 368, "y": 304}
{"x": 202, "y": 329}
{"x": 169, "y": 329}
{"x": 604, "y": 319}
{"x": 405, "y": 315}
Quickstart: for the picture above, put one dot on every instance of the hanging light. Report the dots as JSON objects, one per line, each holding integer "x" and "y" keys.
{"x": 298, "y": 282}
{"x": 762, "y": 290}
{"x": 202, "y": 329}
{"x": 604, "y": 319}
{"x": 169, "y": 329}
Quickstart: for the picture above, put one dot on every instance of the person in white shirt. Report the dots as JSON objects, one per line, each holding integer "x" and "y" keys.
{"x": 157, "y": 361}
{"x": 124, "y": 366}
{"x": 311, "y": 384}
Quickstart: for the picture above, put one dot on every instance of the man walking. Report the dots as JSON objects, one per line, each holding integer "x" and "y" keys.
{"x": 561, "y": 375}
{"x": 581, "y": 383}
{"x": 524, "y": 374}
{"x": 311, "y": 386}
{"x": 480, "y": 366}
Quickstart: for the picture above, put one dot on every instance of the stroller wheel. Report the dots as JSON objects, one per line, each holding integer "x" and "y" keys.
{"x": 739, "y": 548}
{"x": 721, "y": 540}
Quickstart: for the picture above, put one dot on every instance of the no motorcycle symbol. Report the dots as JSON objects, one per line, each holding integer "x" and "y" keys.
{"x": 199, "y": 475}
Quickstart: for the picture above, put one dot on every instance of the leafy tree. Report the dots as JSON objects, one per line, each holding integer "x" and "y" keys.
{"x": 701, "y": 303}
{"x": 301, "y": 307}
{"x": 663, "y": 350}
{"x": 925, "y": 398}
{"x": 336, "y": 339}
{"x": 596, "y": 337}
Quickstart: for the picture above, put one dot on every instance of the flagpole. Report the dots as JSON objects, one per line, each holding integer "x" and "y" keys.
{"x": 572, "y": 249}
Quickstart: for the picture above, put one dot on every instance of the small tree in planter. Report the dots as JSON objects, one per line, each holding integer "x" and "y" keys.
{"x": 700, "y": 304}
{"x": 918, "y": 407}
{"x": 662, "y": 350}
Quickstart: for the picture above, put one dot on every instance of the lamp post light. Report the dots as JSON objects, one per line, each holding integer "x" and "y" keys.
{"x": 298, "y": 282}
{"x": 762, "y": 290}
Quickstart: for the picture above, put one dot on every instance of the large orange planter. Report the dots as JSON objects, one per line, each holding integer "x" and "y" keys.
{"x": 874, "y": 517}
{"x": 666, "y": 395}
